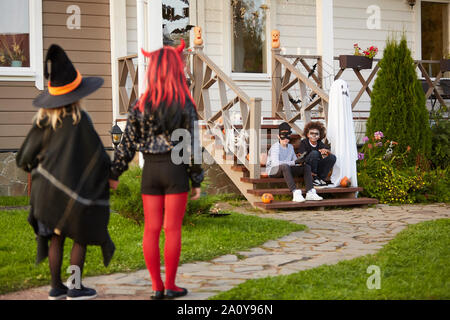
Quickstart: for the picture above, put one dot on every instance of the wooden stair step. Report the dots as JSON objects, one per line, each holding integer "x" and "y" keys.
{"x": 311, "y": 204}
{"x": 280, "y": 191}
{"x": 268, "y": 180}
{"x": 242, "y": 168}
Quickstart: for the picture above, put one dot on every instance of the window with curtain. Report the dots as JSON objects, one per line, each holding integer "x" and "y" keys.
{"x": 14, "y": 33}
{"x": 249, "y": 36}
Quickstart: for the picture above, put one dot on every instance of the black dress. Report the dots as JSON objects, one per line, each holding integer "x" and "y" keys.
{"x": 70, "y": 190}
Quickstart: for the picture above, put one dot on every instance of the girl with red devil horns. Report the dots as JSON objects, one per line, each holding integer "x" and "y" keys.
{"x": 165, "y": 105}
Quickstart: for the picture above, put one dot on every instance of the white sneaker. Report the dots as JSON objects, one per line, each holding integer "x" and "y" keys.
{"x": 312, "y": 195}
{"x": 298, "y": 196}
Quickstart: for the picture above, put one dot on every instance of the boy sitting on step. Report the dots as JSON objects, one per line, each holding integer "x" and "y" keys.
{"x": 282, "y": 162}
{"x": 317, "y": 153}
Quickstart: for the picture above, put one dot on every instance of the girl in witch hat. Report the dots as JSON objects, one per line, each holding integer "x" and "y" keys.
{"x": 70, "y": 170}
{"x": 165, "y": 106}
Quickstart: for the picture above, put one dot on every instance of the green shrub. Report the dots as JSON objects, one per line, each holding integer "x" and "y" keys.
{"x": 127, "y": 199}
{"x": 398, "y": 105}
{"x": 390, "y": 185}
{"x": 384, "y": 174}
{"x": 440, "y": 146}
{"x": 436, "y": 186}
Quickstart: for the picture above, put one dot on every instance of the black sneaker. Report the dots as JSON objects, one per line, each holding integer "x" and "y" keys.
{"x": 81, "y": 294}
{"x": 57, "y": 293}
{"x": 323, "y": 183}
{"x": 316, "y": 182}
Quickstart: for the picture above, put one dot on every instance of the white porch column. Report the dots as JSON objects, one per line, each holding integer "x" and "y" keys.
{"x": 118, "y": 22}
{"x": 140, "y": 9}
{"x": 153, "y": 35}
{"x": 155, "y": 22}
{"x": 325, "y": 37}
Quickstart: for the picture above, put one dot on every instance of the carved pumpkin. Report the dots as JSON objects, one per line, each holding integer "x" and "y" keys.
{"x": 198, "y": 41}
{"x": 345, "y": 182}
{"x": 267, "y": 198}
{"x": 275, "y": 39}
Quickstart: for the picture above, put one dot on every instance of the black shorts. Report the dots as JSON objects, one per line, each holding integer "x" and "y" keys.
{"x": 161, "y": 176}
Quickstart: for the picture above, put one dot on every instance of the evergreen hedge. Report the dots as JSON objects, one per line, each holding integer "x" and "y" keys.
{"x": 398, "y": 102}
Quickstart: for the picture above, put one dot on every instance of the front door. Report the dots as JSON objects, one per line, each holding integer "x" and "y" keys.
{"x": 435, "y": 33}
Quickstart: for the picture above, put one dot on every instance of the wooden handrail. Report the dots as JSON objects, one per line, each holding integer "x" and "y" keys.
{"x": 221, "y": 75}
{"x": 282, "y": 99}
{"x": 131, "y": 56}
{"x": 418, "y": 64}
{"x": 205, "y": 74}
{"x": 303, "y": 78}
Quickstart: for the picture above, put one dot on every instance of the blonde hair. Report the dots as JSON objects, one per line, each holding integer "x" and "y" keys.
{"x": 53, "y": 117}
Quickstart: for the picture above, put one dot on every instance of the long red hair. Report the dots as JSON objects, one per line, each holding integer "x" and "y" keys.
{"x": 166, "y": 82}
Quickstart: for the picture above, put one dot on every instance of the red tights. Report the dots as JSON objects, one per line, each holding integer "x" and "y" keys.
{"x": 173, "y": 206}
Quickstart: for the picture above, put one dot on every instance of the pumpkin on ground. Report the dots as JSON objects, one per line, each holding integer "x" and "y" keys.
{"x": 267, "y": 198}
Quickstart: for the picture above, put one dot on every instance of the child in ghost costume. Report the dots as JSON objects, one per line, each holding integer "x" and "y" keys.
{"x": 341, "y": 134}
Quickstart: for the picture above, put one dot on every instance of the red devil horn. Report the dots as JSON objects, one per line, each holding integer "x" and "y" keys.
{"x": 181, "y": 47}
{"x": 145, "y": 53}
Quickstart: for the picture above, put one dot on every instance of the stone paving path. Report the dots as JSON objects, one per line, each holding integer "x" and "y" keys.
{"x": 332, "y": 236}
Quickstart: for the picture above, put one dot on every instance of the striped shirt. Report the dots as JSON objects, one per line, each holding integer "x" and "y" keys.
{"x": 279, "y": 155}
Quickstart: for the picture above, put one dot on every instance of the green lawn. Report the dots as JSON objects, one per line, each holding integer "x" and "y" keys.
{"x": 14, "y": 201}
{"x": 204, "y": 238}
{"x": 415, "y": 265}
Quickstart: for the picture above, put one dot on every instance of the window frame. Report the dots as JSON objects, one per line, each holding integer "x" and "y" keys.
{"x": 228, "y": 49}
{"x": 35, "y": 72}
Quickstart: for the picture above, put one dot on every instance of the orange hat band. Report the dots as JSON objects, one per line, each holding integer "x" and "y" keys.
{"x": 58, "y": 91}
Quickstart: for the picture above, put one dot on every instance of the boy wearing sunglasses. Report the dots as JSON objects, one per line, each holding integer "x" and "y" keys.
{"x": 282, "y": 162}
{"x": 318, "y": 154}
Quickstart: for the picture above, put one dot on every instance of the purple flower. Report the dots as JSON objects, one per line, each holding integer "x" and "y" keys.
{"x": 365, "y": 139}
{"x": 378, "y": 135}
{"x": 378, "y": 144}
{"x": 360, "y": 156}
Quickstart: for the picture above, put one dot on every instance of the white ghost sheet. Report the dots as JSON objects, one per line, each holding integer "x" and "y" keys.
{"x": 341, "y": 134}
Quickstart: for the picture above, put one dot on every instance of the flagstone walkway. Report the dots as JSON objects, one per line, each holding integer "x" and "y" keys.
{"x": 332, "y": 236}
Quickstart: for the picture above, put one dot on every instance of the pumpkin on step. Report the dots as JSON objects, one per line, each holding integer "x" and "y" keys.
{"x": 267, "y": 198}
{"x": 345, "y": 182}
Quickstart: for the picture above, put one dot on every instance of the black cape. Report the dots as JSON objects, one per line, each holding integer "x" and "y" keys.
{"x": 70, "y": 191}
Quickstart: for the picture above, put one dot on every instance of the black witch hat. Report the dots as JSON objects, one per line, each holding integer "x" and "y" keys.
{"x": 66, "y": 85}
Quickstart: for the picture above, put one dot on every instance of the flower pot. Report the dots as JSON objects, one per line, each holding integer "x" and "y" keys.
{"x": 445, "y": 65}
{"x": 16, "y": 63}
{"x": 355, "y": 62}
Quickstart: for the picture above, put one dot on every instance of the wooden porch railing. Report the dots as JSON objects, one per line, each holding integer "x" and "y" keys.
{"x": 432, "y": 88}
{"x": 127, "y": 68}
{"x": 202, "y": 73}
{"x": 310, "y": 85}
{"x": 205, "y": 74}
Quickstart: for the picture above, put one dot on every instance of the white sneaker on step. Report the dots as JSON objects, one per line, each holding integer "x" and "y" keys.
{"x": 298, "y": 197}
{"x": 313, "y": 196}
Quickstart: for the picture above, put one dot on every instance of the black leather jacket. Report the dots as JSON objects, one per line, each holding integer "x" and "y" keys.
{"x": 151, "y": 133}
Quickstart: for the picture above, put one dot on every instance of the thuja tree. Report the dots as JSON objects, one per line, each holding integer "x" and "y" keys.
{"x": 398, "y": 102}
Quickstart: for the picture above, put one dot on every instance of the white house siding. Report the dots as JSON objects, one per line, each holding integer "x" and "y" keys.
{"x": 296, "y": 20}
{"x": 131, "y": 27}
{"x": 350, "y": 27}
